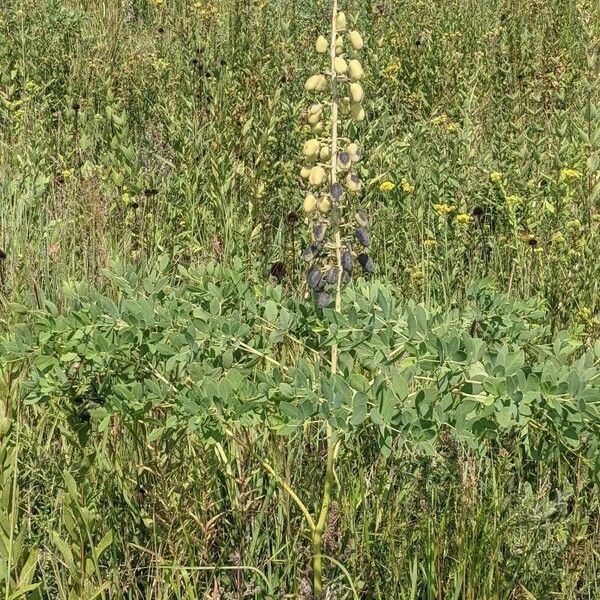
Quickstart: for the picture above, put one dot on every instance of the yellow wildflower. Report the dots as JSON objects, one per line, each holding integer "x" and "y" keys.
{"x": 558, "y": 239}
{"x": 429, "y": 243}
{"x": 406, "y": 186}
{"x": 391, "y": 70}
{"x": 463, "y": 218}
{"x": 440, "y": 120}
{"x": 452, "y": 128}
{"x": 496, "y": 177}
{"x": 568, "y": 174}
{"x": 443, "y": 209}
{"x": 387, "y": 186}
{"x": 513, "y": 200}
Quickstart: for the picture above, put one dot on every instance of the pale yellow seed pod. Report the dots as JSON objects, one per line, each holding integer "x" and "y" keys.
{"x": 319, "y": 127}
{"x": 315, "y": 83}
{"x": 356, "y": 93}
{"x": 314, "y": 119}
{"x": 354, "y": 152}
{"x": 344, "y": 106}
{"x": 339, "y": 44}
{"x": 355, "y": 69}
{"x": 314, "y": 108}
{"x": 340, "y": 65}
{"x": 310, "y": 203}
{"x": 340, "y": 21}
{"x": 325, "y": 153}
{"x": 321, "y": 45}
{"x": 324, "y": 205}
{"x": 311, "y": 148}
{"x": 353, "y": 182}
{"x": 305, "y": 172}
{"x": 317, "y": 175}
{"x": 356, "y": 40}
{"x": 357, "y": 112}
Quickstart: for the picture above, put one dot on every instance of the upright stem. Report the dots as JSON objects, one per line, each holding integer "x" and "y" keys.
{"x": 317, "y": 533}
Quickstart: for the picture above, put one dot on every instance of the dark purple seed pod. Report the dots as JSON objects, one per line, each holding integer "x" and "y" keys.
{"x": 362, "y": 235}
{"x": 364, "y": 260}
{"x": 311, "y": 252}
{"x": 319, "y": 232}
{"x": 347, "y": 261}
{"x": 362, "y": 219}
{"x": 332, "y": 275}
{"x": 313, "y": 278}
{"x": 344, "y": 160}
{"x": 323, "y": 299}
{"x": 337, "y": 191}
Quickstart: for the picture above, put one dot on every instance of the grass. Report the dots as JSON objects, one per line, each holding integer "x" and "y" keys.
{"x": 133, "y": 129}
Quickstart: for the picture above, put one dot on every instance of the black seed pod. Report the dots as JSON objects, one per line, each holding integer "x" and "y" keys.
{"x": 336, "y": 191}
{"x": 364, "y": 260}
{"x": 362, "y": 219}
{"x": 332, "y": 275}
{"x": 319, "y": 232}
{"x": 362, "y": 235}
{"x": 311, "y": 252}
{"x": 313, "y": 278}
{"x": 323, "y": 299}
{"x": 347, "y": 261}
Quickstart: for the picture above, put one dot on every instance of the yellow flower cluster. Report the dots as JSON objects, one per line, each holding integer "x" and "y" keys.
{"x": 443, "y": 209}
{"x": 463, "y": 218}
{"x": 387, "y": 186}
{"x": 569, "y": 174}
{"x": 496, "y": 177}
{"x": 513, "y": 200}
{"x": 406, "y": 186}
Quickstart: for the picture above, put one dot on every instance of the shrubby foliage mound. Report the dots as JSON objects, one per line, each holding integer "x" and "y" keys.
{"x": 208, "y": 352}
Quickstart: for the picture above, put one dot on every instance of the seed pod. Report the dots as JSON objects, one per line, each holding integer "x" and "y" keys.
{"x": 356, "y": 92}
{"x": 305, "y": 172}
{"x": 318, "y": 127}
{"x": 313, "y": 277}
{"x": 339, "y": 45}
{"x": 317, "y": 175}
{"x": 344, "y": 161}
{"x": 362, "y": 235}
{"x": 362, "y": 219}
{"x": 340, "y": 21}
{"x": 332, "y": 275}
{"x": 340, "y": 65}
{"x": 311, "y": 148}
{"x": 344, "y": 106}
{"x": 321, "y": 45}
{"x": 353, "y": 182}
{"x": 325, "y": 153}
{"x": 357, "y": 112}
{"x": 311, "y": 251}
{"x": 347, "y": 261}
{"x": 337, "y": 191}
{"x": 367, "y": 264}
{"x": 310, "y": 203}
{"x": 316, "y": 83}
{"x": 356, "y": 70}
{"x": 314, "y": 119}
{"x": 323, "y": 299}
{"x": 319, "y": 232}
{"x": 324, "y": 205}
{"x": 315, "y": 108}
{"x": 354, "y": 152}
{"x": 356, "y": 40}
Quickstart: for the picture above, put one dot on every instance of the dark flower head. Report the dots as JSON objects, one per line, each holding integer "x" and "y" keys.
{"x": 477, "y": 211}
{"x": 292, "y": 218}
{"x": 148, "y": 192}
{"x": 278, "y": 270}
{"x": 532, "y": 242}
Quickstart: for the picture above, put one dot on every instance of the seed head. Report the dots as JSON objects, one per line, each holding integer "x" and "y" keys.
{"x": 344, "y": 161}
{"x": 310, "y": 203}
{"x": 356, "y": 93}
{"x": 323, "y": 299}
{"x": 347, "y": 261}
{"x": 362, "y": 235}
{"x": 364, "y": 260}
{"x": 355, "y": 69}
{"x": 340, "y": 65}
{"x": 336, "y": 191}
{"x": 317, "y": 176}
{"x": 319, "y": 232}
{"x": 321, "y": 45}
{"x": 362, "y": 219}
{"x": 353, "y": 182}
{"x": 356, "y": 40}
{"x": 340, "y": 21}
{"x": 313, "y": 277}
{"x": 332, "y": 275}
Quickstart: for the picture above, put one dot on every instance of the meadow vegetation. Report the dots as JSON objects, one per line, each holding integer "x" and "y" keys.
{"x": 182, "y": 418}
